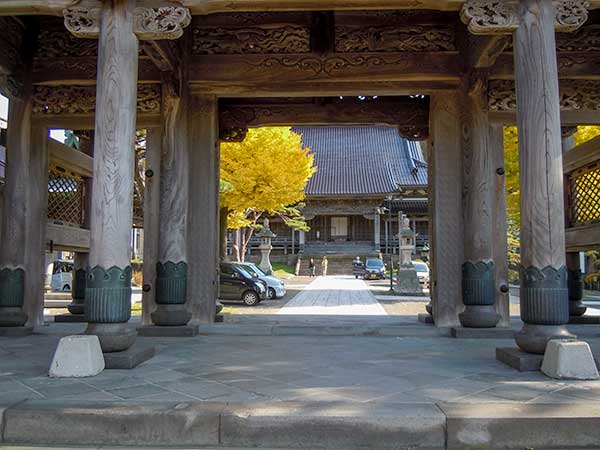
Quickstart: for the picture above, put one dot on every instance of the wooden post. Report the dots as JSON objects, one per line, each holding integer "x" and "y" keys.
{"x": 445, "y": 180}
{"x": 544, "y": 296}
{"x": 13, "y": 261}
{"x": 172, "y": 266}
{"x": 500, "y": 226}
{"x": 108, "y": 289}
{"x": 154, "y": 139}
{"x": 37, "y": 216}
{"x": 81, "y": 260}
{"x": 377, "y": 230}
{"x": 575, "y": 283}
{"x": 478, "y": 270}
{"x": 203, "y": 225}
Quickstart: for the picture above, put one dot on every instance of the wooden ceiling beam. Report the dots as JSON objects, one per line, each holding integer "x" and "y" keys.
{"x": 571, "y": 65}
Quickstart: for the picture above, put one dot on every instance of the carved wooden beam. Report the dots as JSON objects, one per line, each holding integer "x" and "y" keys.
{"x": 573, "y": 65}
{"x": 150, "y": 23}
{"x": 235, "y": 73}
{"x": 483, "y": 51}
{"x": 411, "y": 116}
{"x": 11, "y": 58}
{"x": 579, "y": 101}
{"x": 502, "y": 16}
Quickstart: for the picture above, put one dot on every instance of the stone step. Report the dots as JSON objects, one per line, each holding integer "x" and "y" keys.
{"x": 301, "y": 425}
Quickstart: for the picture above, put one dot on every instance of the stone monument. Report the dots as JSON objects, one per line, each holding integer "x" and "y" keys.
{"x": 265, "y": 247}
{"x": 408, "y": 281}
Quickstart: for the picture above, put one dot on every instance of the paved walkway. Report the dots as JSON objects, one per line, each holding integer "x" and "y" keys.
{"x": 334, "y": 295}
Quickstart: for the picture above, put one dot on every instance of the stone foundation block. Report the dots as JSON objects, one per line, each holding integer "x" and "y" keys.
{"x": 482, "y": 333}
{"x": 571, "y": 360}
{"x": 15, "y": 331}
{"x": 77, "y": 356}
{"x": 584, "y": 320}
{"x": 425, "y": 318}
{"x": 130, "y": 358}
{"x": 70, "y": 318}
{"x": 164, "y": 331}
{"x": 520, "y": 360}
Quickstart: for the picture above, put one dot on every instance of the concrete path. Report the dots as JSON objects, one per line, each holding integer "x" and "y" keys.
{"x": 334, "y": 295}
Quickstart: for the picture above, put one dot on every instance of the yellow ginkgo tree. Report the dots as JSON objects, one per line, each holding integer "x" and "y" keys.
{"x": 265, "y": 174}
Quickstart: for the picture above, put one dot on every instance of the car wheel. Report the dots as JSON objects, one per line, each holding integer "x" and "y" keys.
{"x": 250, "y": 298}
{"x": 272, "y": 294}
{"x": 66, "y": 288}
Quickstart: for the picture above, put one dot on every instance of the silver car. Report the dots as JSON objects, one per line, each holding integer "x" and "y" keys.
{"x": 275, "y": 286}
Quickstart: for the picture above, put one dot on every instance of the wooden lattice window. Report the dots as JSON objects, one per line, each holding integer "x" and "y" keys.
{"x": 65, "y": 196}
{"x": 584, "y": 195}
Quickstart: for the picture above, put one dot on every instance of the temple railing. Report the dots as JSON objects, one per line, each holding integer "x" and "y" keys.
{"x": 582, "y": 196}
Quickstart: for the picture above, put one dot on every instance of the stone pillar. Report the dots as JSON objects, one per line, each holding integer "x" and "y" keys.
{"x": 108, "y": 288}
{"x": 154, "y": 139}
{"x": 575, "y": 283}
{"x": 81, "y": 260}
{"x": 478, "y": 286}
{"x": 544, "y": 294}
{"x": 500, "y": 226}
{"x": 203, "y": 214}
{"x": 13, "y": 261}
{"x": 172, "y": 266}
{"x": 445, "y": 204}
{"x": 377, "y": 230}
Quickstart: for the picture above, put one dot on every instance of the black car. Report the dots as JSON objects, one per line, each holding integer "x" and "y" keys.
{"x": 374, "y": 269}
{"x": 237, "y": 285}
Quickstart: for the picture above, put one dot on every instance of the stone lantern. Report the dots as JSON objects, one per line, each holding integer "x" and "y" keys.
{"x": 265, "y": 235}
{"x": 408, "y": 281}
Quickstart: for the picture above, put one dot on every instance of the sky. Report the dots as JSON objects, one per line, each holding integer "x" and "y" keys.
{"x": 59, "y": 135}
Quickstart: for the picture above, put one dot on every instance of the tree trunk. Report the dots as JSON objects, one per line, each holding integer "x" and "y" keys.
{"x": 224, "y": 212}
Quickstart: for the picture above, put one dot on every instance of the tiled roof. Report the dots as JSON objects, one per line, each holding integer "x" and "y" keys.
{"x": 359, "y": 160}
{"x": 409, "y": 206}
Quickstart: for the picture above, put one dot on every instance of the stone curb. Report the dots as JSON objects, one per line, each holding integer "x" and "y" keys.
{"x": 302, "y": 425}
{"x": 400, "y": 330}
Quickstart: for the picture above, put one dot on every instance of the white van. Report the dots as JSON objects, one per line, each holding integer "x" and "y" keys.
{"x": 62, "y": 275}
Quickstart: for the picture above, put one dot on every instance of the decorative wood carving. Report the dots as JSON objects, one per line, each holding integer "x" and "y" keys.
{"x": 586, "y": 39}
{"x": 575, "y": 95}
{"x": 411, "y": 116}
{"x": 165, "y": 22}
{"x": 60, "y": 43}
{"x": 502, "y": 16}
{"x": 416, "y": 38}
{"x": 228, "y": 41}
{"x": 81, "y": 100}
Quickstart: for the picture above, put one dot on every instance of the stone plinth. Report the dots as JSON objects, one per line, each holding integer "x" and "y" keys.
{"x": 77, "y": 356}
{"x": 15, "y": 331}
{"x": 570, "y": 360}
{"x": 70, "y": 318}
{"x": 517, "y": 359}
{"x": 130, "y": 358}
{"x": 163, "y": 331}
{"x": 482, "y": 333}
{"x": 408, "y": 282}
{"x": 425, "y": 318}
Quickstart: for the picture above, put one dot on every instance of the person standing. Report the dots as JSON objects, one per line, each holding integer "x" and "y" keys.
{"x": 311, "y": 267}
{"x": 324, "y": 266}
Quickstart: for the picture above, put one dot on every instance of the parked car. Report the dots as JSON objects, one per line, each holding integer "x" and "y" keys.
{"x": 358, "y": 268}
{"x": 62, "y": 275}
{"x": 237, "y": 285}
{"x": 275, "y": 286}
{"x": 374, "y": 269}
{"x": 422, "y": 272}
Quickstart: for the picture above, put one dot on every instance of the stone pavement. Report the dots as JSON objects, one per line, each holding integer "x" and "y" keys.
{"x": 296, "y": 392}
{"x": 334, "y": 295}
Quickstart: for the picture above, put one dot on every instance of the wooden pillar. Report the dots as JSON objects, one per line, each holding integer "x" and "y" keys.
{"x": 81, "y": 260}
{"x": 445, "y": 178}
{"x": 544, "y": 296}
{"x": 37, "y": 216}
{"x": 13, "y": 261}
{"x": 172, "y": 266}
{"x": 108, "y": 289}
{"x": 203, "y": 225}
{"x": 500, "y": 226}
{"x": 478, "y": 270}
{"x": 575, "y": 283}
{"x": 154, "y": 139}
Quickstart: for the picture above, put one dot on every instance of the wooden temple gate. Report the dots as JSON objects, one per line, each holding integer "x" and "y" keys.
{"x": 193, "y": 72}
